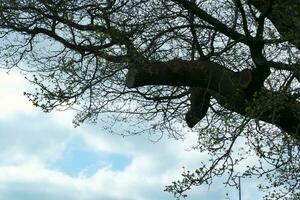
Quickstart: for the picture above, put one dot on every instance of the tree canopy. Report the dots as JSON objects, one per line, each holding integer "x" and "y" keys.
{"x": 229, "y": 70}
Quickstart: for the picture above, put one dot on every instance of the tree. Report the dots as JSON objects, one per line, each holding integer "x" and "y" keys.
{"x": 229, "y": 69}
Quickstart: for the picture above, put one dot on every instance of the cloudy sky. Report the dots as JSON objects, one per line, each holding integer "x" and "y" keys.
{"x": 44, "y": 157}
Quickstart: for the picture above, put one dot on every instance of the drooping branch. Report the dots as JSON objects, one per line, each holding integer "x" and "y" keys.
{"x": 112, "y": 37}
{"x": 200, "y": 99}
{"x": 228, "y": 87}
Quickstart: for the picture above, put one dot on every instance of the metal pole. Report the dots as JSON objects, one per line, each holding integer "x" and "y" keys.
{"x": 240, "y": 189}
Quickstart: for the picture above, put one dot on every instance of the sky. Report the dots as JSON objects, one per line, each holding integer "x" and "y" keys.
{"x": 44, "y": 157}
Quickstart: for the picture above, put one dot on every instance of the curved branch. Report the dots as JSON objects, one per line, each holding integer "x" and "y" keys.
{"x": 229, "y": 32}
{"x": 285, "y": 16}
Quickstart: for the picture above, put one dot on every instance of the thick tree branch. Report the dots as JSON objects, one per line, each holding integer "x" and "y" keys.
{"x": 186, "y": 73}
{"x": 226, "y": 86}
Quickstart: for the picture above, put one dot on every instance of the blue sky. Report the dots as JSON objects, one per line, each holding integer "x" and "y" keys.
{"x": 44, "y": 157}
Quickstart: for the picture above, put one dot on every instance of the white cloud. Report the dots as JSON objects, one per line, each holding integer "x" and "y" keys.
{"x": 34, "y": 179}
{"x": 12, "y": 100}
{"x": 105, "y": 183}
